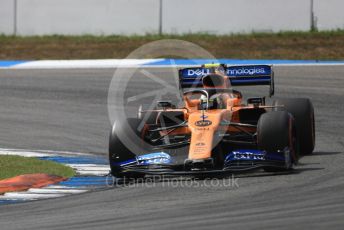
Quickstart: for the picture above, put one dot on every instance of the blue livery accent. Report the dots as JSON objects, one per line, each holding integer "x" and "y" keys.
{"x": 245, "y": 155}
{"x": 248, "y": 71}
{"x": 252, "y": 155}
{"x": 128, "y": 162}
{"x": 238, "y": 75}
{"x": 191, "y": 73}
{"x": 275, "y": 157}
{"x": 124, "y": 163}
{"x": 250, "y": 75}
{"x": 154, "y": 158}
{"x": 260, "y": 81}
{"x": 147, "y": 159}
{"x": 192, "y": 77}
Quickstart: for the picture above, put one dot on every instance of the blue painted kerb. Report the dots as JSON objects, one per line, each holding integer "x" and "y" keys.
{"x": 10, "y": 63}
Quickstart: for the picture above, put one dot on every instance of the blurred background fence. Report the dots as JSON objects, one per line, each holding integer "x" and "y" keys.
{"x": 128, "y": 17}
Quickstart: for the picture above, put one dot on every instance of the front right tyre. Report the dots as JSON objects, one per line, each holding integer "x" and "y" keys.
{"x": 276, "y": 134}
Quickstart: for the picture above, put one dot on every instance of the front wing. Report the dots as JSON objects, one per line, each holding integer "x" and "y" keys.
{"x": 237, "y": 161}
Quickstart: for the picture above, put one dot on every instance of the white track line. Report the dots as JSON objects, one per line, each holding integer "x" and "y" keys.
{"x": 93, "y": 173}
{"x": 276, "y": 65}
{"x": 310, "y": 64}
{"x": 89, "y": 165}
{"x": 82, "y": 167}
{"x": 63, "y": 187}
{"x": 55, "y": 191}
{"x": 90, "y": 169}
{"x": 24, "y": 154}
{"x": 30, "y": 196}
{"x": 82, "y": 64}
{"x": 67, "y": 187}
{"x": 40, "y": 153}
{"x": 136, "y": 63}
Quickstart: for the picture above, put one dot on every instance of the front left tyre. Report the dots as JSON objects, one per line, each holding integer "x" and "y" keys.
{"x": 119, "y": 151}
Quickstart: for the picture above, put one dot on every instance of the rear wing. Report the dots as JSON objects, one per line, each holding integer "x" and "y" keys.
{"x": 248, "y": 75}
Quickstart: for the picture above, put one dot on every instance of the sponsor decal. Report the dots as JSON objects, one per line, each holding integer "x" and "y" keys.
{"x": 248, "y": 71}
{"x": 197, "y": 72}
{"x": 200, "y": 148}
{"x": 247, "y": 156}
{"x": 203, "y": 129}
{"x": 230, "y": 71}
{"x": 154, "y": 158}
{"x": 203, "y": 123}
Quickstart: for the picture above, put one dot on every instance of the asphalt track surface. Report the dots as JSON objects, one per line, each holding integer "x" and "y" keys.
{"x": 67, "y": 110}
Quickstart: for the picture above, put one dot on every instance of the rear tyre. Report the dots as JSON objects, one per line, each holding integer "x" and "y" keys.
{"x": 303, "y": 113}
{"x": 275, "y": 134}
{"x": 118, "y": 150}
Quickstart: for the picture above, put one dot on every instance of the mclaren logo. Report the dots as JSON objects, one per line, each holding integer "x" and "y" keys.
{"x": 203, "y": 123}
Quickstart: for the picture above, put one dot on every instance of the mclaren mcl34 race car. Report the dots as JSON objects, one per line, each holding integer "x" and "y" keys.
{"x": 215, "y": 131}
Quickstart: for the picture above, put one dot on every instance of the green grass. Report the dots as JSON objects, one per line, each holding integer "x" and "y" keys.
{"x": 327, "y": 45}
{"x": 11, "y": 166}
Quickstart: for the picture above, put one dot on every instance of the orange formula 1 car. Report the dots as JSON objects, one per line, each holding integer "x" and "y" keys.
{"x": 216, "y": 131}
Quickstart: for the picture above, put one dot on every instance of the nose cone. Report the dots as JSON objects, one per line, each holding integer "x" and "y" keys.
{"x": 202, "y": 133}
